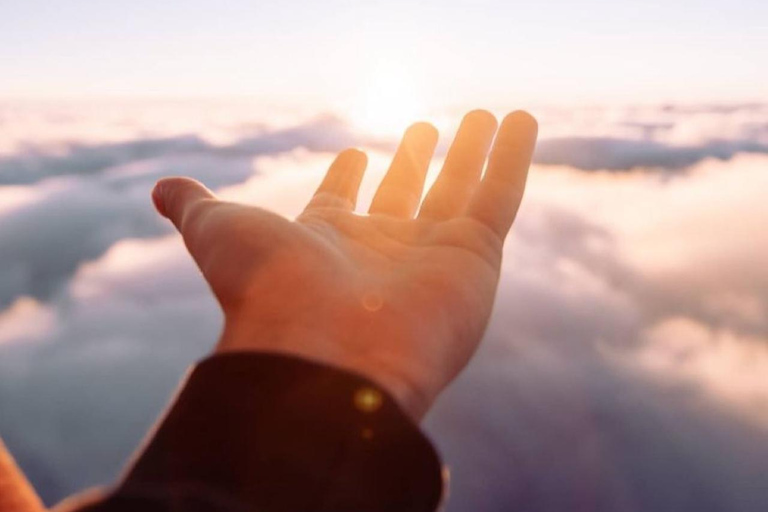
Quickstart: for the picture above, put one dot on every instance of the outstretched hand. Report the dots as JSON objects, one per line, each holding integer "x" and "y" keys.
{"x": 402, "y": 300}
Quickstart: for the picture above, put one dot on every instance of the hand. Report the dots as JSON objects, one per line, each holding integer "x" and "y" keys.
{"x": 401, "y": 300}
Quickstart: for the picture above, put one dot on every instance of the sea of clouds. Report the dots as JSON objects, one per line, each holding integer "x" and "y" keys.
{"x": 625, "y": 367}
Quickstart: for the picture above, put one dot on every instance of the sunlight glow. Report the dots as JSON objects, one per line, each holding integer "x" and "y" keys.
{"x": 390, "y": 99}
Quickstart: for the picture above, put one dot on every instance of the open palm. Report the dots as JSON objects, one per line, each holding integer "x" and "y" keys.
{"x": 401, "y": 300}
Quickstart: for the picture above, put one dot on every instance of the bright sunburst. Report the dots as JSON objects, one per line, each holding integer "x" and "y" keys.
{"x": 390, "y": 99}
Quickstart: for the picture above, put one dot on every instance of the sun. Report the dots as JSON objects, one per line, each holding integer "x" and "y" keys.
{"x": 389, "y": 100}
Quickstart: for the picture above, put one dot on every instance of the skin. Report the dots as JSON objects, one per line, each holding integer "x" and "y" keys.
{"x": 401, "y": 295}
{"x": 16, "y": 493}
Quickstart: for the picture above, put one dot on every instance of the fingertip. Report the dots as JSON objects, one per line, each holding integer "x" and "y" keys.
{"x": 481, "y": 118}
{"x": 424, "y": 131}
{"x": 170, "y": 195}
{"x": 355, "y": 155}
{"x": 160, "y": 192}
{"x": 523, "y": 120}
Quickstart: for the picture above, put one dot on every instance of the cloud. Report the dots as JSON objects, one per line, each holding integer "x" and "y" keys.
{"x": 591, "y": 154}
{"x": 70, "y": 220}
{"x": 26, "y": 319}
{"x": 34, "y": 163}
{"x": 622, "y": 371}
{"x": 592, "y": 139}
{"x": 84, "y": 395}
{"x": 726, "y": 365}
{"x": 574, "y": 431}
{"x": 694, "y": 241}
{"x": 68, "y": 204}
{"x": 609, "y": 381}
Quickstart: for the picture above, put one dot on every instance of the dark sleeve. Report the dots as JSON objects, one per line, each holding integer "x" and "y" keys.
{"x": 272, "y": 433}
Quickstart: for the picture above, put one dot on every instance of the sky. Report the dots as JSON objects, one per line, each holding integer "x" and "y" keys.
{"x": 451, "y": 53}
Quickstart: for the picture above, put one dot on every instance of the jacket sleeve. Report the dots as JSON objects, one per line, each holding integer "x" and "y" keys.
{"x": 273, "y": 433}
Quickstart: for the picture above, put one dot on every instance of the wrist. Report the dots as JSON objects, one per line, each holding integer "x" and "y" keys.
{"x": 293, "y": 340}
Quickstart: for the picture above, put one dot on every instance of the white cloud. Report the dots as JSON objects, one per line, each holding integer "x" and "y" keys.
{"x": 727, "y": 366}
{"x": 26, "y": 319}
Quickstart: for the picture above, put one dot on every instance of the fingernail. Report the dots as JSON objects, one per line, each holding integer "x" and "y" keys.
{"x": 157, "y": 198}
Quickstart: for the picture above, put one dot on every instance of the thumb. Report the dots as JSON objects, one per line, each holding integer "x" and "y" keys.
{"x": 174, "y": 198}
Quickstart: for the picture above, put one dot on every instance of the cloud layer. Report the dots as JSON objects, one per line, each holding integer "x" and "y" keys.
{"x": 622, "y": 371}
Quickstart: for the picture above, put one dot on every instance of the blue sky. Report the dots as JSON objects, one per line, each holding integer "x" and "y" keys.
{"x": 455, "y": 51}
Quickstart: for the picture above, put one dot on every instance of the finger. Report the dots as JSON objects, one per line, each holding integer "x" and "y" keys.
{"x": 400, "y": 191}
{"x": 342, "y": 181}
{"x": 462, "y": 169}
{"x": 498, "y": 196}
{"x": 176, "y": 198}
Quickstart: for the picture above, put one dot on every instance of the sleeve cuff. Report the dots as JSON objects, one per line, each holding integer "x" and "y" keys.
{"x": 274, "y": 432}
